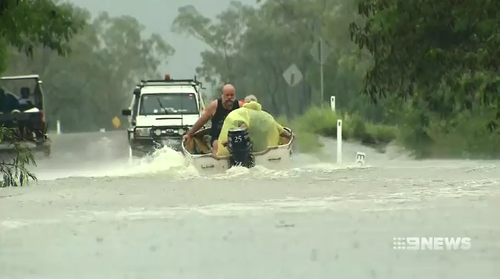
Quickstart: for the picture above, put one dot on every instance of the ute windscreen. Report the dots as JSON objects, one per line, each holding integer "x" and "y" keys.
{"x": 168, "y": 103}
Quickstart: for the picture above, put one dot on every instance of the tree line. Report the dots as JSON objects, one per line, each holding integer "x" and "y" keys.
{"x": 429, "y": 68}
{"x": 383, "y": 51}
{"x": 253, "y": 46}
{"x": 88, "y": 65}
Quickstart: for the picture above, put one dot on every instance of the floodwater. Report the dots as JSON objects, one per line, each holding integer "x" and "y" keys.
{"x": 93, "y": 215}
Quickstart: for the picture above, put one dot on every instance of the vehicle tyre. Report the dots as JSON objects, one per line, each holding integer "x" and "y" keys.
{"x": 47, "y": 148}
{"x": 137, "y": 154}
{"x": 47, "y": 151}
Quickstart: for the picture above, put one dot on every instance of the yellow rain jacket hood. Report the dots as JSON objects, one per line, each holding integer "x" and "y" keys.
{"x": 263, "y": 129}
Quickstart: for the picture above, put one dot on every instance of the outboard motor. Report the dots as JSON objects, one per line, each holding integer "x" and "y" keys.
{"x": 240, "y": 148}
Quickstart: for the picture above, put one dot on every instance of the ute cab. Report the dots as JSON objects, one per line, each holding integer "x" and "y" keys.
{"x": 22, "y": 110}
{"x": 161, "y": 112}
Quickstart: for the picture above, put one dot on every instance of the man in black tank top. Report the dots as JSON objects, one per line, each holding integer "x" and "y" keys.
{"x": 217, "y": 112}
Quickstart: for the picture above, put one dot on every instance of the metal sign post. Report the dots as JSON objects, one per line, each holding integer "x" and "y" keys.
{"x": 320, "y": 52}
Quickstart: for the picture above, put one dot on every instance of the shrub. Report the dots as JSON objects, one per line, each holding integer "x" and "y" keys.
{"x": 13, "y": 171}
{"x": 323, "y": 122}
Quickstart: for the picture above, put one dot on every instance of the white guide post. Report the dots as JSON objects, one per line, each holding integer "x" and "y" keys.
{"x": 339, "y": 141}
{"x": 58, "y": 127}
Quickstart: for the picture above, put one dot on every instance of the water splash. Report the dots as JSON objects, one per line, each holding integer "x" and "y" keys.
{"x": 105, "y": 155}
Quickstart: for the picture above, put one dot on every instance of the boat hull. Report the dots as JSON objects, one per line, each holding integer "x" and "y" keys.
{"x": 199, "y": 155}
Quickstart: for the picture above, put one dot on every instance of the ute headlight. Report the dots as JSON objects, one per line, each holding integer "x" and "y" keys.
{"x": 181, "y": 131}
{"x": 157, "y": 132}
{"x": 142, "y": 132}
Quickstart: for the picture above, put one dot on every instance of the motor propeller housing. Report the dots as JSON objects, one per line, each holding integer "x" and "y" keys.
{"x": 240, "y": 148}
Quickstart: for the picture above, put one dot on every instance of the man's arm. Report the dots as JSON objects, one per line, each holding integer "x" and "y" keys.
{"x": 205, "y": 116}
{"x": 283, "y": 132}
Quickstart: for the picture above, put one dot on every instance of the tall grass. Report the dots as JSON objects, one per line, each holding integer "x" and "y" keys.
{"x": 323, "y": 122}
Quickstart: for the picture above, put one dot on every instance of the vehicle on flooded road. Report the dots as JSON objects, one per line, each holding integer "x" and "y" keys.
{"x": 161, "y": 112}
{"x": 23, "y": 114}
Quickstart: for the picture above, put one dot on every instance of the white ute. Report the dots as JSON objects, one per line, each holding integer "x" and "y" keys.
{"x": 161, "y": 112}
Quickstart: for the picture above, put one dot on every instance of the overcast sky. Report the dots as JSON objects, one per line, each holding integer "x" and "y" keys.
{"x": 157, "y": 16}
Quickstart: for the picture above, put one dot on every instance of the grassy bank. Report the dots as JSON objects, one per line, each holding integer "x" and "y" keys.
{"x": 465, "y": 136}
{"x": 323, "y": 122}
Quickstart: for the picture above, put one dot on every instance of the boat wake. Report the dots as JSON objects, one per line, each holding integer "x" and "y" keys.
{"x": 106, "y": 155}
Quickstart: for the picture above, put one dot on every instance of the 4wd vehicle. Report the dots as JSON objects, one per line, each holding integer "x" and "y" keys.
{"x": 161, "y": 112}
{"x": 24, "y": 112}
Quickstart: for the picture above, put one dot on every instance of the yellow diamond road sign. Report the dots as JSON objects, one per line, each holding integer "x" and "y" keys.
{"x": 116, "y": 122}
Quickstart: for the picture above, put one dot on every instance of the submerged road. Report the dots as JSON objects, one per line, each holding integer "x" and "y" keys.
{"x": 314, "y": 221}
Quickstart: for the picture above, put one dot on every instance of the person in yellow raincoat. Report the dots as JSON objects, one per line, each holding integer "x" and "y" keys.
{"x": 262, "y": 127}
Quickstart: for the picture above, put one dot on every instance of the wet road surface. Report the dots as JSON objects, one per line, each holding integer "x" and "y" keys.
{"x": 318, "y": 220}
